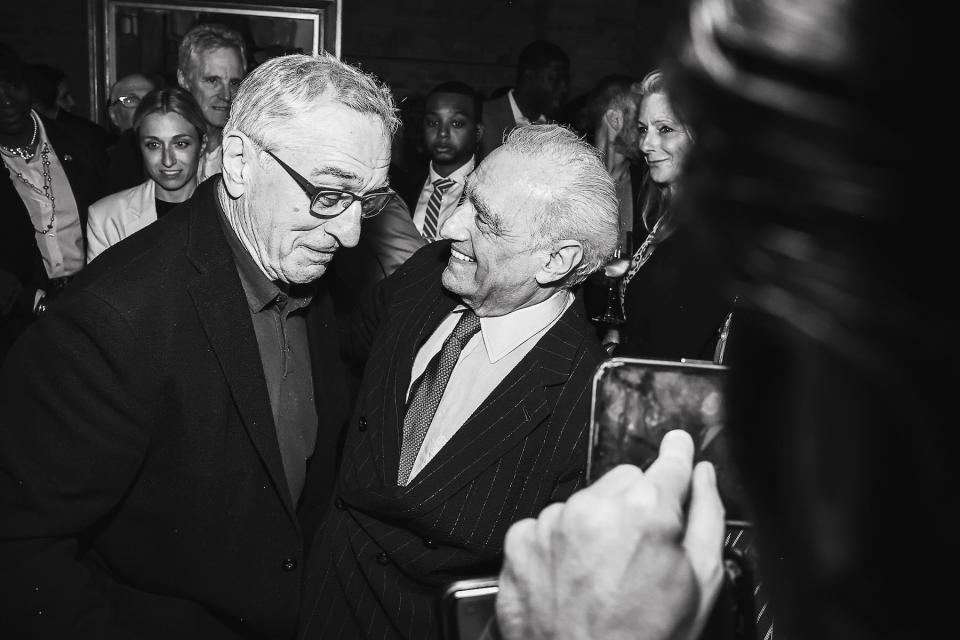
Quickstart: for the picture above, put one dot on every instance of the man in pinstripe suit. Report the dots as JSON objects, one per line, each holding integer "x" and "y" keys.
{"x": 509, "y": 433}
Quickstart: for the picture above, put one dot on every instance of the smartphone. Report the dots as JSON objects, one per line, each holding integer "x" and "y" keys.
{"x": 468, "y": 609}
{"x": 635, "y": 402}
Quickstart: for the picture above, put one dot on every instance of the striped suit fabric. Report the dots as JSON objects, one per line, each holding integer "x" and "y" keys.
{"x": 383, "y": 553}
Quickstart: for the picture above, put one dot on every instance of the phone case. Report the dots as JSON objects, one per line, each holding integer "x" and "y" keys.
{"x": 468, "y": 608}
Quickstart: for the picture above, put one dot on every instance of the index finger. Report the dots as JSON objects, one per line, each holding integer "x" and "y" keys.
{"x": 671, "y": 471}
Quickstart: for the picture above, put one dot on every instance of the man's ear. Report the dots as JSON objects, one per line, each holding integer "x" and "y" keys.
{"x": 112, "y": 114}
{"x": 479, "y": 131}
{"x": 614, "y": 119}
{"x": 562, "y": 261}
{"x": 238, "y": 152}
{"x": 182, "y": 80}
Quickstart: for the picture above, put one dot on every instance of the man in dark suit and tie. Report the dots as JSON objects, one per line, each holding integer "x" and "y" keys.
{"x": 474, "y": 407}
{"x": 542, "y": 82}
{"x": 451, "y": 133}
{"x": 168, "y": 425}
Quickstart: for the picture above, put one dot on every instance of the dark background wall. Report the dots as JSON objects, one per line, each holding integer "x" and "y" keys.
{"x": 411, "y": 44}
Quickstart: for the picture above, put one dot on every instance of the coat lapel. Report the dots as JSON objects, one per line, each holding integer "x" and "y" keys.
{"x": 221, "y": 305}
{"x": 523, "y": 399}
{"x": 417, "y": 327}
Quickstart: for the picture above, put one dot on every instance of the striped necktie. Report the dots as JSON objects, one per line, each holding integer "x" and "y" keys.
{"x": 433, "y": 208}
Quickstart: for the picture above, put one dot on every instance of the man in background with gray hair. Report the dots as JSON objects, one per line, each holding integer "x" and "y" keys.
{"x": 475, "y": 402}
{"x": 211, "y": 63}
{"x": 167, "y": 426}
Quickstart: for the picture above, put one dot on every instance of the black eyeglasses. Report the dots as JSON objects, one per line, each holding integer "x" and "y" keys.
{"x": 127, "y": 101}
{"x": 323, "y": 199}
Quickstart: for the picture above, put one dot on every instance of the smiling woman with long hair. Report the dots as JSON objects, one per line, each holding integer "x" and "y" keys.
{"x": 671, "y": 300}
{"x": 171, "y": 135}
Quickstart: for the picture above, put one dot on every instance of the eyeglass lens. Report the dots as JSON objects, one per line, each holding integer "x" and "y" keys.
{"x": 370, "y": 205}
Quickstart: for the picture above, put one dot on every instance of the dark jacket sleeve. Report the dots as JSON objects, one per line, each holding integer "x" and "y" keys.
{"x": 73, "y": 434}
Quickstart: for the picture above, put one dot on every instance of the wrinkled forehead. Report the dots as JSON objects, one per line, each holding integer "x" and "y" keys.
{"x": 506, "y": 181}
{"x": 338, "y": 140}
{"x": 199, "y": 58}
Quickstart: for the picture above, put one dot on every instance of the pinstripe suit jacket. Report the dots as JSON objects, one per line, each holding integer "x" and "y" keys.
{"x": 383, "y": 553}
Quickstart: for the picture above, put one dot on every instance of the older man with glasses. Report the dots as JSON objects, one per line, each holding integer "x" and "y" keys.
{"x": 168, "y": 427}
{"x": 474, "y": 404}
{"x": 125, "y": 169}
{"x": 125, "y": 96}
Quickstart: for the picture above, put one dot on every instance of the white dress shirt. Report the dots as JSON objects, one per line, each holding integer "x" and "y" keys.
{"x": 210, "y": 164}
{"x": 484, "y": 362}
{"x": 518, "y": 116}
{"x": 450, "y": 197}
{"x": 61, "y": 248}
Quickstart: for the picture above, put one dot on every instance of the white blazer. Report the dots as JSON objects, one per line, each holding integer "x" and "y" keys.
{"x": 114, "y": 217}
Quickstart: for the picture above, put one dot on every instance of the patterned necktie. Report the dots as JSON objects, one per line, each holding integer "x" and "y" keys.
{"x": 433, "y": 208}
{"x": 427, "y": 391}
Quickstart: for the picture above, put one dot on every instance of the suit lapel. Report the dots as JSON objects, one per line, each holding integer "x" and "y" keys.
{"x": 222, "y": 307}
{"x": 522, "y": 400}
{"x": 417, "y": 327}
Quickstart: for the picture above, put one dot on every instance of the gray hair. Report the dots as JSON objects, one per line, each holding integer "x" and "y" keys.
{"x": 205, "y": 37}
{"x": 280, "y": 88}
{"x": 582, "y": 199}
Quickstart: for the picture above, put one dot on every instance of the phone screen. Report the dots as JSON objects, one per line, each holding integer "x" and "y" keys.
{"x": 636, "y": 402}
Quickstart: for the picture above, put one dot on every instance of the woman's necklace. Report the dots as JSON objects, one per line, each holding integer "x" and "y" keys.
{"x": 47, "y": 190}
{"x": 27, "y": 151}
{"x": 639, "y": 258}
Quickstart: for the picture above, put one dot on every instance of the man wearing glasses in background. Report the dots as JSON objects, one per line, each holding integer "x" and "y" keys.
{"x": 168, "y": 426}
{"x": 126, "y": 165}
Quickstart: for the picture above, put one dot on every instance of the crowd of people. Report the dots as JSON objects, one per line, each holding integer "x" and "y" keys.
{"x": 264, "y": 377}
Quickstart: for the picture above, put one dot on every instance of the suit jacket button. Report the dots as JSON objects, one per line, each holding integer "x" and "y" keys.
{"x": 429, "y": 543}
{"x": 338, "y": 503}
{"x": 363, "y": 423}
{"x": 289, "y": 564}
{"x": 383, "y": 558}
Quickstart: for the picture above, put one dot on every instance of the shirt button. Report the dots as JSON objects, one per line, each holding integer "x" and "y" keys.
{"x": 383, "y": 558}
{"x": 289, "y": 564}
{"x": 362, "y": 426}
{"x": 429, "y": 543}
{"x": 338, "y": 503}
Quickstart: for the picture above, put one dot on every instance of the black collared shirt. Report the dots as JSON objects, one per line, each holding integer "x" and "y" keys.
{"x": 279, "y": 312}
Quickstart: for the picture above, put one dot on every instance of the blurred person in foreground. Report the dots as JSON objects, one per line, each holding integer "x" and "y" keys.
{"x": 843, "y": 381}
{"x": 172, "y": 134}
{"x": 167, "y": 427}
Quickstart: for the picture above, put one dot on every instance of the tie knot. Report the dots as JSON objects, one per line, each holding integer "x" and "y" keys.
{"x": 442, "y": 184}
{"x": 467, "y": 326}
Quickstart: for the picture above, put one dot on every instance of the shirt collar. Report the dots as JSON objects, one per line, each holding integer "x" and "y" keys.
{"x": 518, "y": 116}
{"x": 459, "y": 176}
{"x": 503, "y": 334}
